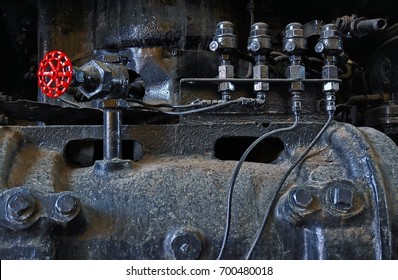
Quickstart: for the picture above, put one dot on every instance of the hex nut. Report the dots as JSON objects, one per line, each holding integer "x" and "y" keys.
{"x": 295, "y": 72}
{"x": 225, "y": 71}
{"x": 319, "y": 47}
{"x": 330, "y": 72}
{"x": 66, "y": 205}
{"x": 107, "y": 78}
{"x": 79, "y": 75}
{"x": 226, "y": 86}
{"x": 255, "y": 46}
{"x": 261, "y": 86}
{"x": 331, "y": 86}
{"x": 297, "y": 86}
{"x": 289, "y": 46}
{"x": 260, "y": 71}
{"x": 302, "y": 198}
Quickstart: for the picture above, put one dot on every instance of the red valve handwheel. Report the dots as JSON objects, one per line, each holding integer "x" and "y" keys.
{"x": 55, "y": 74}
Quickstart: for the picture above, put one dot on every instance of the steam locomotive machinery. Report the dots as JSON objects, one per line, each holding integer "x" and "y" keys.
{"x": 202, "y": 135}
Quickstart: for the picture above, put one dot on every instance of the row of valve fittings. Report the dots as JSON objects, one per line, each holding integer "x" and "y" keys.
{"x": 109, "y": 81}
{"x": 330, "y": 46}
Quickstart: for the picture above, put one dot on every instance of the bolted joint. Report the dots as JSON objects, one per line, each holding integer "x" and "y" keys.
{"x": 226, "y": 86}
{"x": 330, "y": 72}
{"x": 297, "y": 204}
{"x": 331, "y": 86}
{"x": 261, "y": 86}
{"x": 342, "y": 197}
{"x": 295, "y": 72}
{"x": 297, "y": 86}
{"x": 186, "y": 246}
{"x": 260, "y": 71}
{"x": 226, "y": 71}
{"x": 67, "y": 205}
{"x": 21, "y": 207}
{"x": 302, "y": 198}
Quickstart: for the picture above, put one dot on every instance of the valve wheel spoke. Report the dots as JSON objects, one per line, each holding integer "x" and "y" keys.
{"x": 55, "y": 74}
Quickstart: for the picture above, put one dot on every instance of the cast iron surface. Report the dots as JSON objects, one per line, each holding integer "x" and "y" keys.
{"x": 171, "y": 204}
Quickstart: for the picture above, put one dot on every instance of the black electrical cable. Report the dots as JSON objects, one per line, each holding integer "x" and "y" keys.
{"x": 235, "y": 175}
{"x": 278, "y": 189}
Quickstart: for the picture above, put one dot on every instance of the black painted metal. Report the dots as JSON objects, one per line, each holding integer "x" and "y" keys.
{"x": 63, "y": 195}
{"x": 335, "y": 206}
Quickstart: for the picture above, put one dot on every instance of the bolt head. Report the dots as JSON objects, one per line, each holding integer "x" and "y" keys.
{"x": 290, "y": 46}
{"x": 186, "y": 246}
{"x": 343, "y": 197}
{"x": 302, "y": 198}
{"x": 79, "y": 75}
{"x": 66, "y": 205}
{"x": 213, "y": 46}
{"x": 319, "y": 47}
{"x": 174, "y": 52}
{"x": 255, "y": 46}
{"x": 21, "y": 207}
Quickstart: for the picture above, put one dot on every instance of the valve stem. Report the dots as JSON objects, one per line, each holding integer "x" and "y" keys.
{"x": 330, "y": 45}
{"x": 295, "y": 45}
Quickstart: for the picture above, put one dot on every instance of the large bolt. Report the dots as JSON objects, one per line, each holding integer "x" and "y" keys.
{"x": 302, "y": 198}
{"x": 21, "y": 207}
{"x": 343, "y": 197}
{"x": 66, "y": 205}
{"x": 186, "y": 246}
